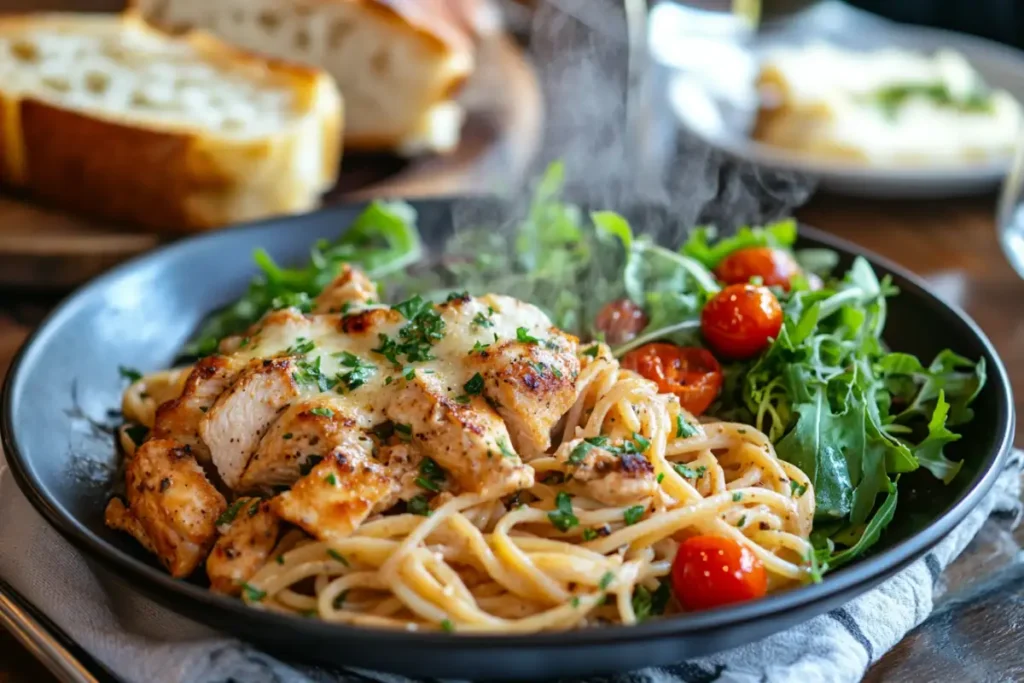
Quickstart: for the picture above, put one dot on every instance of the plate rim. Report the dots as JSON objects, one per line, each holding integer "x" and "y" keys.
{"x": 153, "y": 581}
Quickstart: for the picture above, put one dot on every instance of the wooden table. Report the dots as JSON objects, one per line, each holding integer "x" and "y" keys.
{"x": 953, "y": 244}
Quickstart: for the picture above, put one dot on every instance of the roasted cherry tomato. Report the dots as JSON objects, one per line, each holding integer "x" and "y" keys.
{"x": 621, "y": 321}
{"x": 740, "y": 321}
{"x": 711, "y": 571}
{"x": 690, "y": 373}
{"x": 774, "y": 266}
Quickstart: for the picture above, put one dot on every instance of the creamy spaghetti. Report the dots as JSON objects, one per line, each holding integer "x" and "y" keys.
{"x": 479, "y": 564}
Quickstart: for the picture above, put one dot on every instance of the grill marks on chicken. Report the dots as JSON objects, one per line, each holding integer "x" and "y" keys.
{"x": 299, "y": 401}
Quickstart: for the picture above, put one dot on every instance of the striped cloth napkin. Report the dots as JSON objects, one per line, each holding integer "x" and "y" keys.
{"x": 141, "y": 641}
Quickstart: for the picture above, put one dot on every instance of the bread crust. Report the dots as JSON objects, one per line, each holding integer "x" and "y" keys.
{"x": 171, "y": 177}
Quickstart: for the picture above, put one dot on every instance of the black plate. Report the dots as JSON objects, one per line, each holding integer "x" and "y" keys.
{"x": 65, "y": 381}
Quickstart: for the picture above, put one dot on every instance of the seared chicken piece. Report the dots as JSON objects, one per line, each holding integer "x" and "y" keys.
{"x": 336, "y": 496}
{"x": 466, "y": 438}
{"x": 179, "y": 419}
{"x": 118, "y": 517}
{"x": 306, "y": 429}
{"x": 351, "y": 287}
{"x": 244, "y": 546}
{"x": 531, "y": 386}
{"x": 240, "y": 417}
{"x": 403, "y": 463}
{"x": 286, "y": 322}
{"x": 174, "y": 503}
{"x": 607, "y": 477}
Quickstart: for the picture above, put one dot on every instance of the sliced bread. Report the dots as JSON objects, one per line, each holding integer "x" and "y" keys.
{"x": 105, "y": 115}
{"x": 399, "y": 63}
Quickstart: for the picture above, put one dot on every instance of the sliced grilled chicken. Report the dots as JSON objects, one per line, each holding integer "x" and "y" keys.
{"x": 307, "y": 429}
{"x": 174, "y": 503}
{"x": 336, "y": 496}
{"x": 611, "y": 478}
{"x": 118, "y": 517}
{"x": 350, "y": 288}
{"x": 403, "y": 463}
{"x": 462, "y": 433}
{"x": 239, "y": 418}
{"x": 244, "y": 545}
{"x": 179, "y": 419}
{"x": 531, "y": 386}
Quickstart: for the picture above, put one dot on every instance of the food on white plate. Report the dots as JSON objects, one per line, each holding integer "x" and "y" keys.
{"x": 109, "y": 117}
{"x": 889, "y": 107}
{"x": 399, "y": 63}
{"x": 459, "y": 461}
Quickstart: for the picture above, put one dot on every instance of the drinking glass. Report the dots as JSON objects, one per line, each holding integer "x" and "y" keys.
{"x": 1010, "y": 212}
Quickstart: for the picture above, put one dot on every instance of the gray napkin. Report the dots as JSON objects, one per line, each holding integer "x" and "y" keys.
{"x": 141, "y": 641}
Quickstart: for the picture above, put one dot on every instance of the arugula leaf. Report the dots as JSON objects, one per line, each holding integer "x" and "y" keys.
{"x": 781, "y": 234}
{"x": 871, "y": 532}
{"x": 929, "y": 452}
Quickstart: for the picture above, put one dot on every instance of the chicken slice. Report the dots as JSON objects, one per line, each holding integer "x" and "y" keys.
{"x": 336, "y": 496}
{"x": 174, "y": 503}
{"x": 466, "y": 438}
{"x": 120, "y": 518}
{"x": 403, "y": 463}
{"x": 238, "y": 419}
{"x": 610, "y": 478}
{"x": 306, "y": 429}
{"x": 244, "y": 546}
{"x": 179, "y": 419}
{"x": 531, "y": 386}
{"x": 350, "y": 287}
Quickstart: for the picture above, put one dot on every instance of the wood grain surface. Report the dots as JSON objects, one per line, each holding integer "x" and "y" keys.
{"x": 974, "y": 635}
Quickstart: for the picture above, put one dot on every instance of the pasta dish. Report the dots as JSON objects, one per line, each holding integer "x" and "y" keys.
{"x": 467, "y": 465}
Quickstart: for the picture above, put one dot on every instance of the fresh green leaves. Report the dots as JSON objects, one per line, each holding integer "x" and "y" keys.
{"x": 699, "y": 245}
{"x": 361, "y": 371}
{"x": 929, "y": 452}
{"x": 382, "y": 239}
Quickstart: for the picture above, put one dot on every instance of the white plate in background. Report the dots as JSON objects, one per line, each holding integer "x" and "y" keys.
{"x": 712, "y": 91}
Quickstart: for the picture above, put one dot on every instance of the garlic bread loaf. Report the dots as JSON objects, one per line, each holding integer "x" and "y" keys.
{"x": 399, "y": 63}
{"x": 105, "y": 115}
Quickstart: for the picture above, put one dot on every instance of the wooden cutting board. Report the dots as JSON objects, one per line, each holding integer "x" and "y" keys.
{"x": 44, "y": 248}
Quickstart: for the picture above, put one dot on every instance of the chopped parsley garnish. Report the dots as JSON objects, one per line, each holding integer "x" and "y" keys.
{"x": 562, "y": 516}
{"x": 340, "y": 599}
{"x": 404, "y": 431}
{"x": 432, "y": 475}
{"x": 409, "y": 373}
{"x": 447, "y": 625}
{"x": 252, "y": 593}
{"x": 337, "y": 556}
{"x": 478, "y": 347}
{"x": 130, "y": 374}
{"x": 504, "y": 448}
{"x": 574, "y": 601}
{"x": 641, "y": 443}
{"x": 688, "y": 473}
{"x": 737, "y": 497}
{"x": 331, "y": 479}
{"x": 481, "y": 320}
{"x": 797, "y": 489}
{"x": 229, "y": 515}
{"x": 137, "y": 433}
{"x": 359, "y": 374}
{"x": 322, "y": 412}
{"x": 589, "y": 534}
{"x": 633, "y": 514}
{"x": 424, "y": 329}
{"x": 599, "y": 441}
{"x": 457, "y": 296}
{"x": 286, "y": 436}
{"x": 462, "y": 400}
{"x": 523, "y": 335}
{"x": 279, "y": 559}
{"x": 309, "y": 374}
{"x": 255, "y": 507}
{"x": 606, "y": 580}
{"x": 684, "y": 429}
{"x": 591, "y": 351}
{"x": 311, "y": 462}
{"x": 743, "y": 520}
{"x": 301, "y": 347}
{"x": 661, "y": 477}
{"x": 475, "y": 385}
{"x": 579, "y": 453}
{"x": 411, "y": 308}
{"x": 418, "y": 505}
{"x": 647, "y": 604}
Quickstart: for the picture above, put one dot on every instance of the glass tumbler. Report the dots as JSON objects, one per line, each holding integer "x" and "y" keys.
{"x": 1010, "y": 212}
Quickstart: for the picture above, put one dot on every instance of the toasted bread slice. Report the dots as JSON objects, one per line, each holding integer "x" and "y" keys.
{"x": 104, "y": 115}
{"x": 399, "y": 63}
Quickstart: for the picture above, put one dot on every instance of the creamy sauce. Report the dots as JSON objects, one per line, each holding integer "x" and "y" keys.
{"x": 836, "y": 97}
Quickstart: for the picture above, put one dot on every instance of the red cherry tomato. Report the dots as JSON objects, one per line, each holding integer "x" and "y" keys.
{"x": 774, "y": 266}
{"x": 621, "y": 321}
{"x": 690, "y": 373}
{"x": 740, "y": 321}
{"x": 711, "y": 571}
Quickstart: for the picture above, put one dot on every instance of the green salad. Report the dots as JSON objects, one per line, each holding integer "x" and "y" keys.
{"x": 836, "y": 402}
